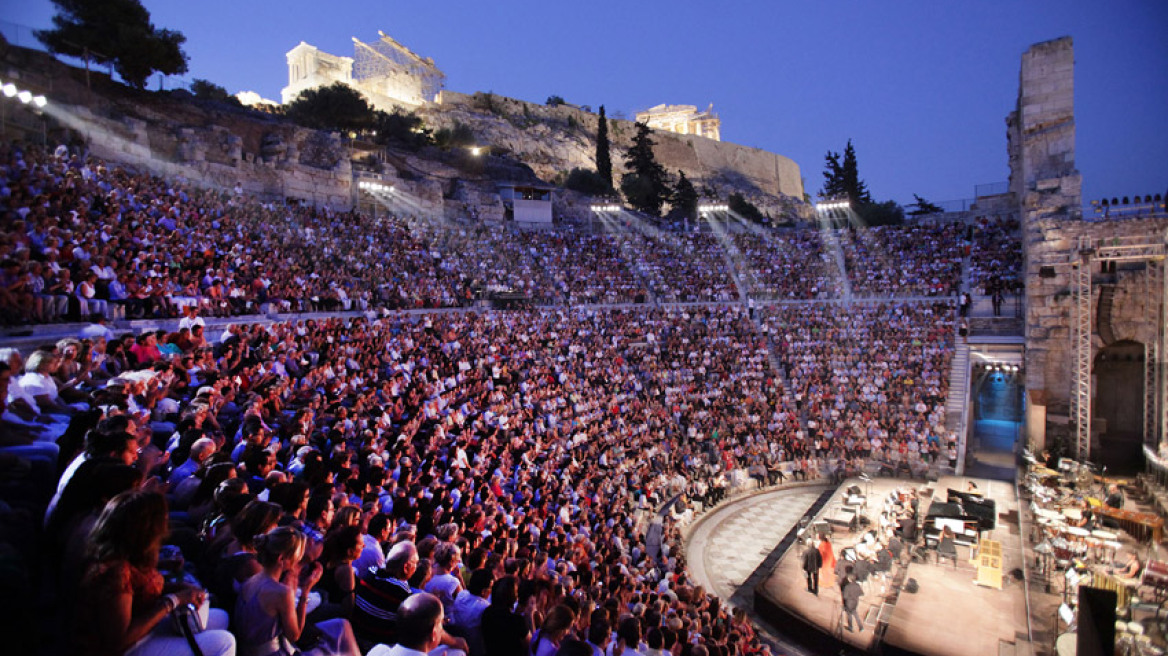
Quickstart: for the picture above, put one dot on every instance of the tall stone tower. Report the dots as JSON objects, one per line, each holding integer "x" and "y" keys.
{"x": 1043, "y": 178}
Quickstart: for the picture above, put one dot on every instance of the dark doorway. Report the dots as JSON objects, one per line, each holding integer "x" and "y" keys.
{"x": 1119, "y": 406}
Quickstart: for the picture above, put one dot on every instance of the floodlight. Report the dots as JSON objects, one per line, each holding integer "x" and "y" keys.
{"x": 25, "y": 97}
{"x": 9, "y": 89}
{"x": 39, "y": 101}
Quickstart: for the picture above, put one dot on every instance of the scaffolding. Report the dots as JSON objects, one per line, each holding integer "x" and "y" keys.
{"x": 1152, "y": 250}
{"x": 386, "y": 58}
{"x": 1081, "y": 395}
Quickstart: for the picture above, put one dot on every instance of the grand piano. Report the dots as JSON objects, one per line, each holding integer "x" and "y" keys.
{"x": 967, "y": 515}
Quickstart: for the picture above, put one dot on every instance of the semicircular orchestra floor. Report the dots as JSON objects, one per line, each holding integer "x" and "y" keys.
{"x": 728, "y": 543}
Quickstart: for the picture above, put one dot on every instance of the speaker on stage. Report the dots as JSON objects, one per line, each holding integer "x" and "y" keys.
{"x": 1096, "y": 621}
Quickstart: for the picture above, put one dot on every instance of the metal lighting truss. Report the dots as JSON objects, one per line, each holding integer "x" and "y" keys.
{"x": 1151, "y": 249}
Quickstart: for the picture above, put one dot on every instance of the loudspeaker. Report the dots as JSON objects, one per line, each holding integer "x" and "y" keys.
{"x": 912, "y": 586}
{"x": 1046, "y": 272}
{"x": 1096, "y": 622}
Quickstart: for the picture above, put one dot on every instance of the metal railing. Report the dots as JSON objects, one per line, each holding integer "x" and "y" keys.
{"x": 991, "y": 189}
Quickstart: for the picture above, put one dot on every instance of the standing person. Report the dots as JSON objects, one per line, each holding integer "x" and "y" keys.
{"x": 121, "y": 605}
{"x": 852, "y": 593}
{"x": 812, "y": 562}
{"x": 270, "y": 610}
{"x": 827, "y": 568}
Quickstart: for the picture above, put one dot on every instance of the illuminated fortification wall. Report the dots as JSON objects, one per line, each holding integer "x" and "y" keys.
{"x": 1041, "y": 146}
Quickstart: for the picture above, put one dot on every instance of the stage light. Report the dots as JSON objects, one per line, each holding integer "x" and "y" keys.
{"x": 25, "y": 97}
{"x": 39, "y": 101}
{"x": 9, "y": 89}
{"x": 475, "y": 151}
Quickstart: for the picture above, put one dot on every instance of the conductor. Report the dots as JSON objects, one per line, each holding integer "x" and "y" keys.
{"x": 812, "y": 561}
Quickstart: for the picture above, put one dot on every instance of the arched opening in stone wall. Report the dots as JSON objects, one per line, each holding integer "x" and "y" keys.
{"x": 997, "y": 413}
{"x": 1119, "y": 405}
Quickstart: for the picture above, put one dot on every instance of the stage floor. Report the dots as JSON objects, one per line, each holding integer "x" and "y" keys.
{"x": 728, "y": 544}
{"x": 950, "y": 615}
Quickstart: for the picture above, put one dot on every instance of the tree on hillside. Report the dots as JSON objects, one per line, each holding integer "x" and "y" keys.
{"x": 335, "y": 107}
{"x": 603, "y": 156}
{"x": 842, "y": 178}
{"x": 887, "y": 213}
{"x": 402, "y": 129}
{"x": 685, "y": 198}
{"x": 117, "y": 32}
{"x": 923, "y": 207}
{"x": 744, "y": 208}
{"x": 587, "y": 181}
{"x": 207, "y": 90}
{"x": 645, "y": 185}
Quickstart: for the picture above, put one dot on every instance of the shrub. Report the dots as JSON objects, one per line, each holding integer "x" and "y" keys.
{"x": 587, "y": 181}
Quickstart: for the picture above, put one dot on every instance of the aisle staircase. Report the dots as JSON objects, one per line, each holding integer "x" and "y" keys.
{"x": 831, "y": 241}
{"x": 958, "y": 402}
{"x": 959, "y": 381}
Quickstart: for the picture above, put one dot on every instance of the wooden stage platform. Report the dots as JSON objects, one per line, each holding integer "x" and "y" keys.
{"x": 950, "y": 614}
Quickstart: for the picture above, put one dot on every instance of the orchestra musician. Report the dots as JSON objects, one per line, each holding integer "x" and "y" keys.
{"x": 1114, "y": 497}
{"x": 1127, "y": 567}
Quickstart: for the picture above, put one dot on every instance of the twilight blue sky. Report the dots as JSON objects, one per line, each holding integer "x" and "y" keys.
{"x": 921, "y": 86}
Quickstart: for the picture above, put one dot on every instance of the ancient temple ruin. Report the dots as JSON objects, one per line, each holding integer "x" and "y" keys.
{"x": 386, "y": 72}
{"x": 683, "y": 119}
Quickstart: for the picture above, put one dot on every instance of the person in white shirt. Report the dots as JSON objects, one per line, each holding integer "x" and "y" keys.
{"x": 373, "y": 556}
{"x": 191, "y": 318}
{"x": 444, "y": 584}
{"x": 87, "y": 296}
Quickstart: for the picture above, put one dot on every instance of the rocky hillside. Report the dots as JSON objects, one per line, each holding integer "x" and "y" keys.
{"x": 223, "y": 146}
{"x": 554, "y": 140}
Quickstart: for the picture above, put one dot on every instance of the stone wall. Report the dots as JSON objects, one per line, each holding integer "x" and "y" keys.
{"x": 293, "y": 163}
{"x": 1049, "y": 347}
{"x": 1043, "y": 177}
{"x": 1041, "y": 145}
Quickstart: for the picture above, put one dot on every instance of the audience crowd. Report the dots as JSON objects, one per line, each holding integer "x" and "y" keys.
{"x": 86, "y": 237}
{"x": 918, "y": 260}
{"x": 996, "y": 257}
{"x": 479, "y": 481}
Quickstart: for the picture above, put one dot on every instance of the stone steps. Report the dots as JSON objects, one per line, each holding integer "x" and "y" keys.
{"x": 955, "y": 404}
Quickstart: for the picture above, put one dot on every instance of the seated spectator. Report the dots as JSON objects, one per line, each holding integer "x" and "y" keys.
{"x": 121, "y": 606}
{"x": 419, "y": 627}
{"x": 272, "y": 605}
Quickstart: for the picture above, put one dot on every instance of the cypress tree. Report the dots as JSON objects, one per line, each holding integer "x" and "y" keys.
{"x": 603, "y": 157}
{"x": 645, "y": 185}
